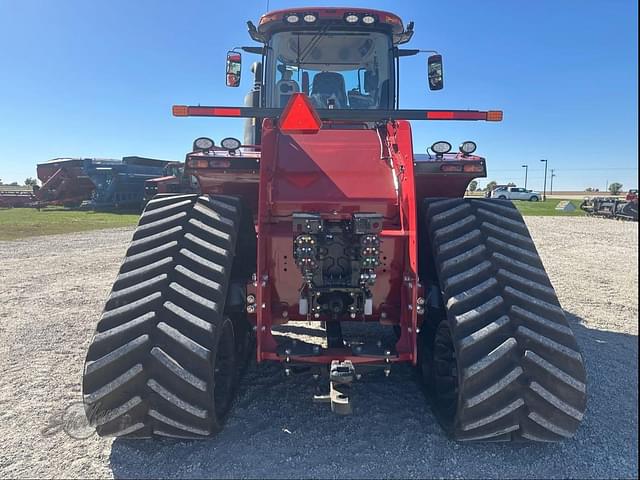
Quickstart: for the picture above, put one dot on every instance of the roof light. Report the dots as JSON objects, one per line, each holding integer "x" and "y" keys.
{"x": 299, "y": 116}
{"x": 292, "y": 18}
{"x": 230, "y": 143}
{"x": 441, "y": 147}
{"x": 309, "y": 18}
{"x": 392, "y": 19}
{"x": 368, "y": 19}
{"x": 351, "y": 18}
{"x": 203, "y": 143}
{"x": 468, "y": 147}
{"x": 267, "y": 18}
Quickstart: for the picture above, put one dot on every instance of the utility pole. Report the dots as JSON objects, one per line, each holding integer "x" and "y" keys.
{"x": 544, "y": 191}
{"x": 526, "y": 171}
{"x": 551, "y": 187}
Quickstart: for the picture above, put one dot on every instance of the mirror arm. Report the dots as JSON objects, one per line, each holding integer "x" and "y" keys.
{"x": 256, "y": 50}
{"x": 407, "y": 52}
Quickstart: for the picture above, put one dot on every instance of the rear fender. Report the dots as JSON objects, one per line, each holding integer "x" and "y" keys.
{"x": 447, "y": 176}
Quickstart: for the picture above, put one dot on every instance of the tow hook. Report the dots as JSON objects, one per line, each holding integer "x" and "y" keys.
{"x": 341, "y": 375}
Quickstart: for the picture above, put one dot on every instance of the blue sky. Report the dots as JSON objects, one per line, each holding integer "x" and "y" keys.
{"x": 98, "y": 78}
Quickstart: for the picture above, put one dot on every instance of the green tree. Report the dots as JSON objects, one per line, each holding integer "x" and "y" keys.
{"x": 31, "y": 182}
{"x": 615, "y": 188}
{"x": 473, "y": 186}
{"x": 491, "y": 185}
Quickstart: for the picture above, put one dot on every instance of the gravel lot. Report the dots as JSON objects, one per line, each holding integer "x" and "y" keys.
{"x": 52, "y": 290}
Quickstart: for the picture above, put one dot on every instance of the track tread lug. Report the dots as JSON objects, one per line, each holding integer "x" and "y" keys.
{"x": 150, "y": 368}
{"x": 521, "y": 375}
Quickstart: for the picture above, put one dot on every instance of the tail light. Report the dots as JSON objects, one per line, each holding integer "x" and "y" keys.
{"x": 451, "y": 168}
{"x": 474, "y": 168}
{"x": 198, "y": 163}
{"x": 457, "y": 168}
{"x": 219, "y": 163}
{"x": 494, "y": 116}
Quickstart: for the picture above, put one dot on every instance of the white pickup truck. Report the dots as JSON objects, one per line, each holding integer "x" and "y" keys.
{"x": 515, "y": 193}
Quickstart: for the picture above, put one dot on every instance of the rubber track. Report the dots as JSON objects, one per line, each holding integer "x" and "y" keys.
{"x": 149, "y": 369}
{"x": 521, "y": 374}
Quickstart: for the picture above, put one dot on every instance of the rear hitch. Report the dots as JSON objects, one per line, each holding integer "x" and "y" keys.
{"x": 341, "y": 375}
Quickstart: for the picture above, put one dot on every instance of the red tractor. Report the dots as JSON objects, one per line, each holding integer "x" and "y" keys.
{"x": 172, "y": 181}
{"x": 324, "y": 243}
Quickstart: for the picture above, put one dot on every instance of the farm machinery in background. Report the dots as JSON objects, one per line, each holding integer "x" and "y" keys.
{"x": 613, "y": 207}
{"x": 171, "y": 181}
{"x": 63, "y": 181}
{"x": 15, "y": 196}
{"x": 325, "y": 220}
{"x": 96, "y": 183}
{"x": 120, "y": 184}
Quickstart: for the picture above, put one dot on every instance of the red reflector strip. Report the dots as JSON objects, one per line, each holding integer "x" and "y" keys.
{"x": 185, "y": 111}
{"x": 455, "y": 115}
{"x": 213, "y": 111}
{"x": 440, "y": 115}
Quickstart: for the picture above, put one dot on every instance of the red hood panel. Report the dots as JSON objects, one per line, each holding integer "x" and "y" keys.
{"x": 332, "y": 171}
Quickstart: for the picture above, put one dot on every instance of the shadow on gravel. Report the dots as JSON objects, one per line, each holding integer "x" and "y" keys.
{"x": 275, "y": 431}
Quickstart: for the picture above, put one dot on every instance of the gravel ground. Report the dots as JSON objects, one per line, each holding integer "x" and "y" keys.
{"x": 52, "y": 290}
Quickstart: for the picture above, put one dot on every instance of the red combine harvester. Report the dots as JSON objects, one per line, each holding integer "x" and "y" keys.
{"x": 331, "y": 246}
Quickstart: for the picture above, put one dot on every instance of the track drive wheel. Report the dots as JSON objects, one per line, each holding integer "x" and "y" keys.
{"x": 499, "y": 359}
{"x": 165, "y": 358}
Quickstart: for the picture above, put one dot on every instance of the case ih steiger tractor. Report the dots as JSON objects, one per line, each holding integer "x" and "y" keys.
{"x": 325, "y": 217}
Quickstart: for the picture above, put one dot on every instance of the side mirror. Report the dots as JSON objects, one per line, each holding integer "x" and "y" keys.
{"x": 234, "y": 69}
{"x": 434, "y": 70}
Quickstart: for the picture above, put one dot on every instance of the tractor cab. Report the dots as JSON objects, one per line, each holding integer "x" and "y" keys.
{"x": 344, "y": 59}
{"x": 338, "y": 64}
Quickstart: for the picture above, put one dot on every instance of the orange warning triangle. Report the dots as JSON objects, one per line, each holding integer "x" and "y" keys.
{"x": 299, "y": 116}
